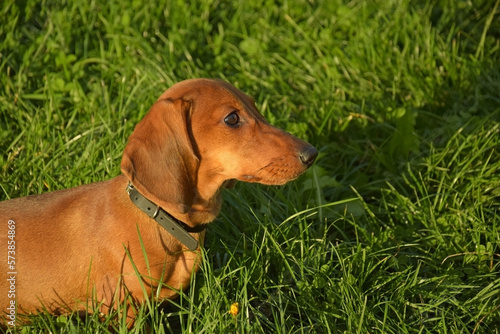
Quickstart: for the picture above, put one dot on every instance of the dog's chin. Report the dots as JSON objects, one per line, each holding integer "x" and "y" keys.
{"x": 228, "y": 184}
{"x": 201, "y": 217}
{"x": 206, "y": 213}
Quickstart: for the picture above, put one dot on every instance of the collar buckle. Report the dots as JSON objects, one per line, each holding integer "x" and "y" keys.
{"x": 129, "y": 188}
{"x": 156, "y": 212}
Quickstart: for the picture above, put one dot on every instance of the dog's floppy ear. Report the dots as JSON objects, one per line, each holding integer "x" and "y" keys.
{"x": 159, "y": 158}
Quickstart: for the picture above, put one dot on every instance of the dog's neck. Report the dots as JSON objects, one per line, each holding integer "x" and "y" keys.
{"x": 175, "y": 227}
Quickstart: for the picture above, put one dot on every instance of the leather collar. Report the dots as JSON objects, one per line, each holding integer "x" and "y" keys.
{"x": 178, "y": 229}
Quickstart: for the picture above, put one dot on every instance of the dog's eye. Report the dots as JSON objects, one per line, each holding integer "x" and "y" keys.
{"x": 232, "y": 119}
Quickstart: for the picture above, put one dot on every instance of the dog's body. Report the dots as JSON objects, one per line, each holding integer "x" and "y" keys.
{"x": 84, "y": 246}
{"x": 75, "y": 240}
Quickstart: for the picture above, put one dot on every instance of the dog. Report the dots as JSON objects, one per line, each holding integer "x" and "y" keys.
{"x": 141, "y": 232}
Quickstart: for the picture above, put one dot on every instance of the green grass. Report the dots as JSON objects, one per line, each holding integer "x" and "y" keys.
{"x": 396, "y": 229}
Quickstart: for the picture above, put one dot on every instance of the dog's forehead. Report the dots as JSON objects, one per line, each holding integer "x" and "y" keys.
{"x": 239, "y": 99}
{"x": 232, "y": 90}
{"x": 219, "y": 90}
{"x": 211, "y": 93}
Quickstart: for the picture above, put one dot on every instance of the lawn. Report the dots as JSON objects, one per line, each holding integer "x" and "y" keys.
{"x": 395, "y": 229}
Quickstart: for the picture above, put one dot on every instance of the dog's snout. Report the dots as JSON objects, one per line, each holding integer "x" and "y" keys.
{"x": 308, "y": 155}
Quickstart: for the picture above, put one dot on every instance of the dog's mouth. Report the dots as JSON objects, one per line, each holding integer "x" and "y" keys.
{"x": 273, "y": 174}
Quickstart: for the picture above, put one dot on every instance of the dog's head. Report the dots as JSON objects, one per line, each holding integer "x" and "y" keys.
{"x": 201, "y": 135}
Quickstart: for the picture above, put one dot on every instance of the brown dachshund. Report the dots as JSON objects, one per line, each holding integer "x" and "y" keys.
{"x": 98, "y": 243}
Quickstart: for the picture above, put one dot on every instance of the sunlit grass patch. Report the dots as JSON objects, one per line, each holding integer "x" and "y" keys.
{"x": 396, "y": 227}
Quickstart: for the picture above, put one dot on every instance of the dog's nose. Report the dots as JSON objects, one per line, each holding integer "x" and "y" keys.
{"x": 308, "y": 155}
